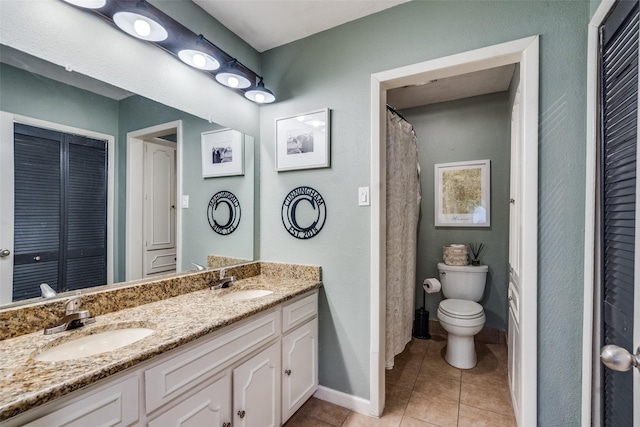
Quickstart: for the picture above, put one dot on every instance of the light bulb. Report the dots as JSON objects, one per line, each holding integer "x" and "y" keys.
{"x": 199, "y": 60}
{"x": 233, "y": 81}
{"x": 260, "y": 98}
{"x": 301, "y": 118}
{"x": 89, "y": 4}
{"x": 142, "y": 27}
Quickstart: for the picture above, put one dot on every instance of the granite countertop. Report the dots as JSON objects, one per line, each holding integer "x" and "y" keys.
{"x": 26, "y": 383}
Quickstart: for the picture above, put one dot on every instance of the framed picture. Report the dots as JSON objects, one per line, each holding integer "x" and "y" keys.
{"x": 302, "y": 141}
{"x": 462, "y": 194}
{"x": 222, "y": 153}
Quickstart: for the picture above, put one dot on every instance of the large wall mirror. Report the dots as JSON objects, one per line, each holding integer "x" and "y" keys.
{"x": 157, "y": 143}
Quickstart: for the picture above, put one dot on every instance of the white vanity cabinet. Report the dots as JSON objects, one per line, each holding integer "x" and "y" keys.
{"x": 256, "y": 390}
{"x": 113, "y": 404}
{"x": 299, "y": 354}
{"x": 210, "y": 406}
{"x": 254, "y": 373}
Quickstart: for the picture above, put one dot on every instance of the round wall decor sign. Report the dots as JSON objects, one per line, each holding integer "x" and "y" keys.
{"x": 221, "y": 200}
{"x": 311, "y": 222}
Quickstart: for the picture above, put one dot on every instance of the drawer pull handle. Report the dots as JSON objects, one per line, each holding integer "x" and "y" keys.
{"x": 288, "y": 372}
{"x": 241, "y": 414}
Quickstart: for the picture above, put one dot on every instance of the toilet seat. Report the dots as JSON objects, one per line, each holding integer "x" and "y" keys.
{"x": 461, "y": 309}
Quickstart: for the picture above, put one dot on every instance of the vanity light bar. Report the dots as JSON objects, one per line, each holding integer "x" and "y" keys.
{"x": 140, "y": 19}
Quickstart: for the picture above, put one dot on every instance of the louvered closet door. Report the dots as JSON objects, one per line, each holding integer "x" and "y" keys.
{"x": 619, "y": 92}
{"x": 37, "y": 215}
{"x": 60, "y": 211}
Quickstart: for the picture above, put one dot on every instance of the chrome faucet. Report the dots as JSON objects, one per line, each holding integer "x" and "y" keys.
{"x": 223, "y": 282}
{"x": 73, "y": 318}
{"x": 198, "y": 267}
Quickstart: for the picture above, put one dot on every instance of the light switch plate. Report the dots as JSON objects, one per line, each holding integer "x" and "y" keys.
{"x": 363, "y": 196}
{"x": 185, "y": 201}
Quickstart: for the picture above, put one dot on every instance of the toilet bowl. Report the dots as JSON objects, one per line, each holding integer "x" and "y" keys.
{"x": 462, "y": 320}
{"x": 459, "y": 313}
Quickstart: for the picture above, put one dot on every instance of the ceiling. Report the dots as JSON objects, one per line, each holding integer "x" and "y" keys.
{"x": 51, "y": 71}
{"x": 467, "y": 85}
{"x": 265, "y": 24}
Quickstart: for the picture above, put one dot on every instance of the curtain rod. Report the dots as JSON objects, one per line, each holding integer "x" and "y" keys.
{"x": 393, "y": 110}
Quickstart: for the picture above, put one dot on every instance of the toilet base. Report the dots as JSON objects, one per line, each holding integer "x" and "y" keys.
{"x": 461, "y": 352}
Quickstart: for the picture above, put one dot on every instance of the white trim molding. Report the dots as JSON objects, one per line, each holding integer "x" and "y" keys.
{"x": 345, "y": 400}
{"x": 525, "y": 52}
{"x": 589, "y": 353}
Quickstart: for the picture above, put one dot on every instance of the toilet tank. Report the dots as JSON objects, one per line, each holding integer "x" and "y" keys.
{"x": 463, "y": 281}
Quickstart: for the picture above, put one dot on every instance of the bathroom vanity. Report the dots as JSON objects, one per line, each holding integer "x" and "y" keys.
{"x": 213, "y": 356}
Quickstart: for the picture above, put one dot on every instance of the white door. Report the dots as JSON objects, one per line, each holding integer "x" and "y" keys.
{"x": 256, "y": 390}
{"x": 159, "y": 207}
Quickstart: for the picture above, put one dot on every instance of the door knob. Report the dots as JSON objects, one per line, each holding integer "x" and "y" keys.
{"x": 288, "y": 372}
{"x": 619, "y": 359}
{"x": 4, "y": 252}
{"x": 241, "y": 414}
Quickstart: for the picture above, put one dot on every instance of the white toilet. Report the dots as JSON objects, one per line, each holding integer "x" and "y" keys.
{"x": 460, "y": 314}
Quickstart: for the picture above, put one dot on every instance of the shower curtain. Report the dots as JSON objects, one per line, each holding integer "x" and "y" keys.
{"x": 403, "y": 208}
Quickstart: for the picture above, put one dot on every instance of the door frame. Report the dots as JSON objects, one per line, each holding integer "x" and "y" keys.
{"x": 134, "y": 251}
{"x": 592, "y": 313}
{"x": 7, "y": 121}
{"x": 525, "y": 52}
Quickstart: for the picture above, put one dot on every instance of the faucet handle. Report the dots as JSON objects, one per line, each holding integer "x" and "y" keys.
{"x": 72, "y": 305}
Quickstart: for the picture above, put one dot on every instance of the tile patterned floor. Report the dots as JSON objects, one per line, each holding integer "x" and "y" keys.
{"x": 424, "y": 391}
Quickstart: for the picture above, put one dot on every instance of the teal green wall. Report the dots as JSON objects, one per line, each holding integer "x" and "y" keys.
{"x": 199, "y": 240}
{"x": 197, "y": 20}
{"x": 332, "y": 69}
{"x": 475, "y": 128}
{"x": 35, "y": 96}
{"x": 41, "y": 98}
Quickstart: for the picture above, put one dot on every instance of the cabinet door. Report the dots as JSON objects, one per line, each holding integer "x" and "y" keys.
{"x": 300, "y": 367}
{"x": 514, "y": 357}
{"x": 211, "y": 406}
{"x": 256, "y": 390}
{"x": 116, "y": 405}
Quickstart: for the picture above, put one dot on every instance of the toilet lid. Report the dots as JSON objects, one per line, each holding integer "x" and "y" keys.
{"x": 461, "y": 308}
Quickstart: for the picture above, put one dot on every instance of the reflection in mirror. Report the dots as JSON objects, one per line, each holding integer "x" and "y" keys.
{"x": 101, "y": 185}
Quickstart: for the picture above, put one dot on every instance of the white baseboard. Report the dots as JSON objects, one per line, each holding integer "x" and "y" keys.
{"x": 345, "y": 400}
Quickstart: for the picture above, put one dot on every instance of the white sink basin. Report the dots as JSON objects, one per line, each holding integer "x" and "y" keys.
{"x": 247, "y": 294}
{"x": 90, "y": 345}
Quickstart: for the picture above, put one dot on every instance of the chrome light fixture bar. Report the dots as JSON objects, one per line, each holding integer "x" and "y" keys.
{"x": 142, "y": 20}
{"x": 260, "y": 94}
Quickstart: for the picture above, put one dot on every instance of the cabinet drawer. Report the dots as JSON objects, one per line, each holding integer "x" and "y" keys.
{"x": 116, "y": 405}
{"x": 178, "y": 374}
{"x": 299, "y": 312}
{"x": 210, "y": 406}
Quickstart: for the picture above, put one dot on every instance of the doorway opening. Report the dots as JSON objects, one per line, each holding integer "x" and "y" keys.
{"x": 154, "y": 186}
{"x": 525, "y": 53}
